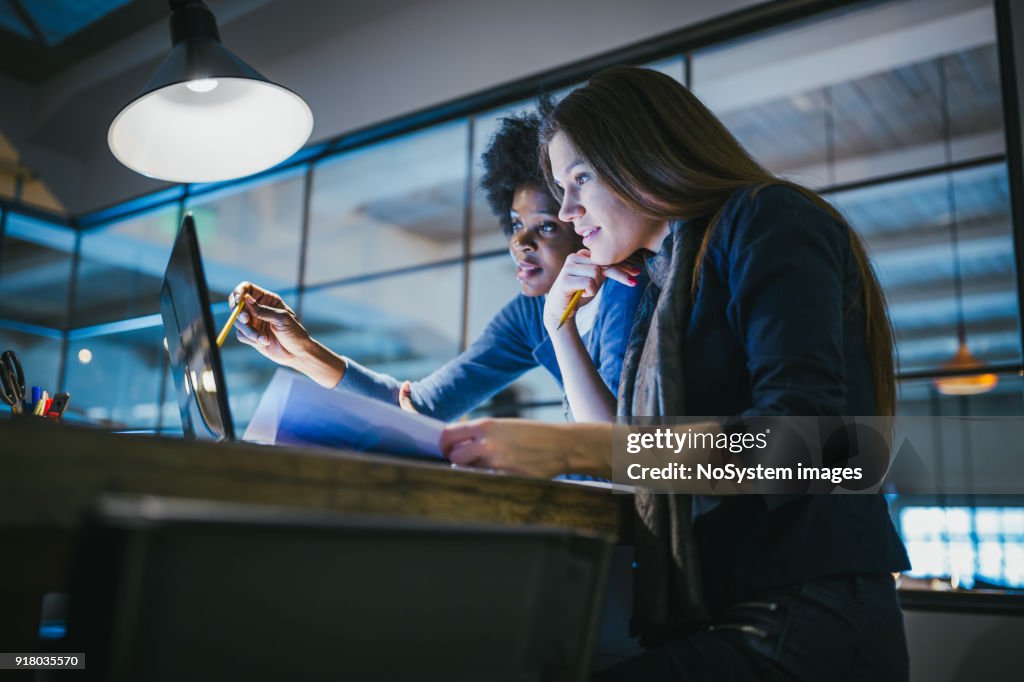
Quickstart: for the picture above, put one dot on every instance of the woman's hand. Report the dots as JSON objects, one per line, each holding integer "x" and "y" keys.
{"x": 271, "y": 327}
{"x": 513, "y": 445}
{"x": 529, "y": 448}
{"x": 579, "y": 273}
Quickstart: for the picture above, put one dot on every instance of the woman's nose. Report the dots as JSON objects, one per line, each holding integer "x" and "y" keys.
{"x": 522, "y": 241}
{"x": 571, "y": 209}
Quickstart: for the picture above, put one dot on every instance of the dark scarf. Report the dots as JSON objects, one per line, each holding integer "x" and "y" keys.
{"x": 667, "y": 595}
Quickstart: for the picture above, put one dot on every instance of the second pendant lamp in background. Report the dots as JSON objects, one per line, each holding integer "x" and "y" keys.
{"x": 963, "y": 360}
{"x": 207, "y": 116}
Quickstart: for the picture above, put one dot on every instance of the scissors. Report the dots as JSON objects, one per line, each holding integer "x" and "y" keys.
{"x": 12, "y": 382}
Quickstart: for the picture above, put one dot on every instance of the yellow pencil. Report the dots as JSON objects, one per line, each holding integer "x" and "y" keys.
{"x": 569, "y": 309}
{"x": 231, "y": 321}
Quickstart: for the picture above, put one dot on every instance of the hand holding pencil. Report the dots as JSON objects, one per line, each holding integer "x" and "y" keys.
{"x": 264, "y": 321}
{"x": 578, "y": 282}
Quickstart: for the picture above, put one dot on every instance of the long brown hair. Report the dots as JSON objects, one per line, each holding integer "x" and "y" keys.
{"x": 666, "y": 156}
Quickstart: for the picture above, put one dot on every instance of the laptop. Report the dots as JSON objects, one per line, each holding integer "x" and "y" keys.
{"x": 190, "y": 338}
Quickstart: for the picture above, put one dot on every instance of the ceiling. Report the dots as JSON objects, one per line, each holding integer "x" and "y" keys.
{"x": 68, "y": 66}
{"x": 41, "y": 38}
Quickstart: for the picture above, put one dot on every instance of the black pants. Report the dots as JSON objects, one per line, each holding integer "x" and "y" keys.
{"x": 830, "y": 629}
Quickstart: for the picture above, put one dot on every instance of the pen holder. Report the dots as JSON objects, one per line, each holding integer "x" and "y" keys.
{"x": 24, "y": 418}
{"x": 52, "y": 415}
{"x": 54, "y": 409}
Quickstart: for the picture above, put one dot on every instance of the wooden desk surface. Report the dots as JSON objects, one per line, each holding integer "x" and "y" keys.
{"x": 50, "y": 475}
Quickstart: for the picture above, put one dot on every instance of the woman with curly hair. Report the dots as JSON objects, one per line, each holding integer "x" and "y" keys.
{"x": 513, "y": 342}
{"x": 761, "y": 302}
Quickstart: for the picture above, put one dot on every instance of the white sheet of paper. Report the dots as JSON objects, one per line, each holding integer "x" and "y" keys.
{"x": 296, "y": 411}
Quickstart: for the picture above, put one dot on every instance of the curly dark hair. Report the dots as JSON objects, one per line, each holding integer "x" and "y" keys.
{"x": 510, "y": 161}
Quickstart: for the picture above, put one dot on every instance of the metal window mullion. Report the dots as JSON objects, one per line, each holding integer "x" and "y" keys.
{"x": 3, "y": 232}
{"x": 65, "y": 344}
{"x": 938, "y": 169}
{"x": 467, "y": 235}
{"x": 307, "y": 199}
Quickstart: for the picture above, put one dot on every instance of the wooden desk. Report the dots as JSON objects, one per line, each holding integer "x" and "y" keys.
{"x": 51, "y": 473}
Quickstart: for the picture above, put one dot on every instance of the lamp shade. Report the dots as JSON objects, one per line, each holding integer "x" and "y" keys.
{"x": 207, "y": 116}
{"x": 971, "y": 384}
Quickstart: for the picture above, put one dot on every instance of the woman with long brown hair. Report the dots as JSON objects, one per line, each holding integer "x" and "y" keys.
{"x": 762, "y": 302}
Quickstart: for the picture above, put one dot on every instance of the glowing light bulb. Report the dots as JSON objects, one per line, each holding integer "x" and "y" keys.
{"x": 201, "y": 85}
{"x": 85, "y": 356}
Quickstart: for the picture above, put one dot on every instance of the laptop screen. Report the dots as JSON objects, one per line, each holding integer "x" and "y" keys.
{"x": 191, "y": 342}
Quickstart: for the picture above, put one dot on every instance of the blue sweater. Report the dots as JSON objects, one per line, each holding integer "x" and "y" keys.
{"x": 514, "y": 342}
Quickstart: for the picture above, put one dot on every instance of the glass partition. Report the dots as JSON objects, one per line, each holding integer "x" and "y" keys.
{"x": 115, "y": 379}
{"x": 960, "y": 546}
{"x": 121, "y": 267}
{"x": 251, "y": 232}
{"x": 908, "y": 229}
{"x": 860, "y": 94}
{"x": 404, "y": 325}
{"x": 35, "y": 271}
{"x": 391, "y": 205}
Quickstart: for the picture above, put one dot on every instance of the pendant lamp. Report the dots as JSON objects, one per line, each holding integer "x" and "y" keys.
{"x": 205, "y": 115}
{"x": 962, "y": 361}
{"x": 970, "y": 384}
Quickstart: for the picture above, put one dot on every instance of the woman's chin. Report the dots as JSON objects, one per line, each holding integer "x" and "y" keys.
{"x": 537, "y": 286}
{"x": 531, "y": 290}
{"x": 598, "y": 258}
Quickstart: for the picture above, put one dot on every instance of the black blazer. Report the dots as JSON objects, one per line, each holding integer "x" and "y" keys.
{"x": 777, "y": 328}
